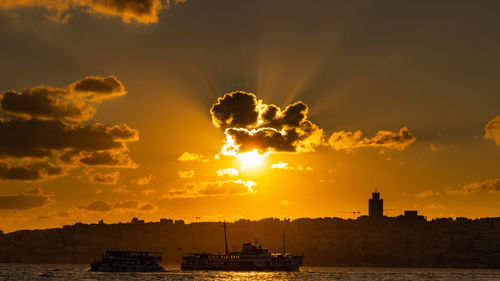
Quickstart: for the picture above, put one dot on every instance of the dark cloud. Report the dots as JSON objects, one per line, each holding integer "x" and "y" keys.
{"x": 45, "y": 103}
{"x": 383, "y": 139}
{"x": 492, "y": 130}
{"x": 29, "y": 172}
{"x": 235, "y": 110}
{"x": 97, "y": 88}
{"x": 250, "y": 124}
{"x": 108, "y": 159}
{"x": 32, "y": 199}
{"x": 45, "y": 125}
{"x": 142, "y": 11}
{"x": 41, "y": 138}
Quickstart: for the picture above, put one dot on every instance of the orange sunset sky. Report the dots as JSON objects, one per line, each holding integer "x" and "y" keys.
{"x": 227, "y": 109}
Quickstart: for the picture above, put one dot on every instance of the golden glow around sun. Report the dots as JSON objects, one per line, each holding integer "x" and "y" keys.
{"x": 251, "y": 159}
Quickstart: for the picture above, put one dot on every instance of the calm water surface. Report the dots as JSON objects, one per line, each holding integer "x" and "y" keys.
{"x": 80, "y": 272}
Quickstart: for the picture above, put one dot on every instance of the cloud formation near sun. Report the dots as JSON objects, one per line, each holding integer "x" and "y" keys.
{"x": 142, "y": 11}
{"x": 46, "y": 131}
{"x": 251, "y": 125}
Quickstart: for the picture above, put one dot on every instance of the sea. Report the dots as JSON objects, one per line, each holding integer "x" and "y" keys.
{"x": 80, "y": 272}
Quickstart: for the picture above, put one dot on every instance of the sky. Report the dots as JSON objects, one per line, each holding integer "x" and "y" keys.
{"x": 225, "y": 109}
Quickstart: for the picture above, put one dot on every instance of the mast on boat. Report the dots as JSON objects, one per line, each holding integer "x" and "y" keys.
{"x": 225, "y": 237}
{"x": 283, "y": 242}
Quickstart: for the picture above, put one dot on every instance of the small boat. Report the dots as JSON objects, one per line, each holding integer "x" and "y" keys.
{"x": 128, "y": 261}
{"x": 251, "y": 258}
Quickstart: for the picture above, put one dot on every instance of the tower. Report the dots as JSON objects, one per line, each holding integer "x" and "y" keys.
{"x": 376, "y": 206}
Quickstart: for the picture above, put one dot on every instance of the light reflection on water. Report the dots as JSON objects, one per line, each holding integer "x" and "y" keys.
{"x": 80, "y": 272}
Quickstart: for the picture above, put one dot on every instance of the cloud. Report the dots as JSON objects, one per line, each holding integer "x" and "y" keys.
{"x": 107, "y": 159}
{"x": 97, "y": 89}
{"x": 250, "y": 124}
{"x": 427, "y": 193}
{"x": 96, "y": 177}
{"x": 34, "y": 171}
{"x": 434, "y": 148}
{"x": 285, "y": 166}
{"x": 349, "y": 141}
{"x": 186, "y": 174}
{"x": 436, "y": 206}
{"x": 186, "y": 156}
{"x": 41, "y": 138}
{"x": 142, "y": 11}
{"x": 97, "y": 205}
{"x": 143, "y": 180}
{"x": 284, "y": 202}
{"x": 492, "y": 130}
{"x": 119, "y": 190}
{"x": 127, "y": 205}
{"x": 46, "y": 128}
{"x": 132, "y": 205}
{"x": 487, "y": 185}
{"x": 231, "y": 172}
{"x": 215, "y": 188}
{"x": 31, "y": 199}
{"x": 45, "y": 103}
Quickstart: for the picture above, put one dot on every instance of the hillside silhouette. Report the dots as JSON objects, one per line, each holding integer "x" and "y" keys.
{"x": 384, "y": 241}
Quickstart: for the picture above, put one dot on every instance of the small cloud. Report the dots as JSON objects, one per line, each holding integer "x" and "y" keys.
{"x": 285, "y": 166}
{"x": 231, "y": 172}
{"x": 108, "y": 159}
{"x": 143, "y": 180}
{"x": 147, "y": 191}
{"x": 215, "y": 188}
{"x": 31, "y": 199}
{"x": 434, "y": 148}
{"x": 186, "y": 156}
{"x": 349, "y": 141}
{"x": 426, "y": 193}
{"x": 96, "y": 177}
{"x": 186, "y": 174}
{"x": 34, "y": 171}
{"x": 119, "y": 190}
{"x": 284, "y": 202}
{"x": 98, "y": 205}
{"x": 127, "y": 205}
{"x": 436, "y": 206}
{"x": 492, "y": 130}
{"x": 487, "y": 185}
{"x": 132, "y": 205}
{"x": 280, "y": 165}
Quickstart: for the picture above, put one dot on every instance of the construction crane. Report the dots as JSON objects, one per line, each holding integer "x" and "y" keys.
{"x": 354, "y": 213}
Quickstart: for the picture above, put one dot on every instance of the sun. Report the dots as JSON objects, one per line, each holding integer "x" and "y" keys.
{"x": 251, "y": 159}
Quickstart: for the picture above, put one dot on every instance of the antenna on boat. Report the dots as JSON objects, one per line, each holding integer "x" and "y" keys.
{"x": 225, "y": 237}
{"x": 283, "y": 242}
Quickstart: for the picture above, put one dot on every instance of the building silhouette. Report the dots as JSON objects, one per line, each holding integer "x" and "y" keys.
{"x": 375, "y": 206}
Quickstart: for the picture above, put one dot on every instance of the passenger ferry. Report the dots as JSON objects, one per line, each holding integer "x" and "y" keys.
{"x": 126, "y": 261}
{"x": 251, "y": 258}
